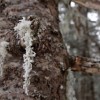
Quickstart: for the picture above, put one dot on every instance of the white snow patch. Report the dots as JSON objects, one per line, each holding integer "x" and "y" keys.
{"x": 22, "y": 27}
{"x": 24, "y": 31}
{"x": 72, "y": 4}
{"x": 92, "y": 16}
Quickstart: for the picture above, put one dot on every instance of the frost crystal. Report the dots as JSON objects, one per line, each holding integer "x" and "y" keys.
{"x": 24, "y": 31}
{"x": 3, "y": 53}
{"x": 70, "y": 86}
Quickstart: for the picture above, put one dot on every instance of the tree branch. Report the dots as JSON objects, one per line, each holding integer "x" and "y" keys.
{"x": 88, "y": 65}
{"x": 89, "y": 3}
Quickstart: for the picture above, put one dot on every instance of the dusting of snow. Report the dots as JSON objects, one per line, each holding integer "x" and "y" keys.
{"x": 24, "y": 31}
{"x": 70, "y": 86}
{"x": 3, "y": 54}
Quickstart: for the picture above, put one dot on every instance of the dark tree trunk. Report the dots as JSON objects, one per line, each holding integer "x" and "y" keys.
{"x": 50, "y": 64}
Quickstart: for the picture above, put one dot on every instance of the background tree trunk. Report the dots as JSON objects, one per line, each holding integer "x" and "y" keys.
{"x": 48, "y": 75}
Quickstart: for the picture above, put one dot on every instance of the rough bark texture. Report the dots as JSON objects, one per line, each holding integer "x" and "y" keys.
{"x": 48, "y": 75}
{"x": 87, "y": 65}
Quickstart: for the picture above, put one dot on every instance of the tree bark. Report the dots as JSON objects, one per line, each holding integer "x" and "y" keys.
{"x": 84, "y": 83}
{"x": 92, "y": 4}
{"x": 48, "y": 75}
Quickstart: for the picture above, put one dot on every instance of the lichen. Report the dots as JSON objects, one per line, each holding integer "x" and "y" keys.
{"x": 70, "y": 86}
{"x": 24, "y": 31}
{"x": 3, "y": 54}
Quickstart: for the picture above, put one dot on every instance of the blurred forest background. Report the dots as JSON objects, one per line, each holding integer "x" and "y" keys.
{"x": 80, "y": 27}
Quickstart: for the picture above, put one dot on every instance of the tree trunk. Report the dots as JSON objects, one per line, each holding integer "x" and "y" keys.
{"x": 48, "y": 75}
{"x": 84, "y": 83}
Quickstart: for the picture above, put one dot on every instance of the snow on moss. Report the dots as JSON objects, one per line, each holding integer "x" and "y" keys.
{"x": 3, "y": 54}
{"x": 24, "y": 31}
{"x": 70, "y": 86}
